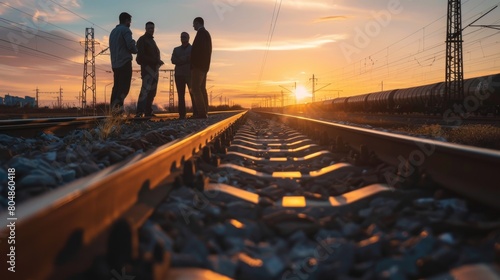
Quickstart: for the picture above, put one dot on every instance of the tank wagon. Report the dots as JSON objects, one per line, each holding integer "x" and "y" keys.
{"x": 481, "y": 96}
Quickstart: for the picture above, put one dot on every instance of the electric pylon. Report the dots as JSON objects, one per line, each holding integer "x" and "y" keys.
{"x": 171, "y": 99}
{"x": 454, "y": 81}
{"x": 89, "y": 63}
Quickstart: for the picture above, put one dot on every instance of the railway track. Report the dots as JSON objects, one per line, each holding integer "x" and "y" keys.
{"x": 399, "y": 119}
{"x": 60, "y": 126}
{"x": 274, "y": 197}
{"x": 30, "y": 127}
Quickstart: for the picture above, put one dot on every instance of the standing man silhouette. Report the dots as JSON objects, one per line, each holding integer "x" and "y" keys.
{"x": 121, "y": 47}
{"x": 201, "y": 53}
{"x": 181, "y": 57}
{"x": 148, "y": 56}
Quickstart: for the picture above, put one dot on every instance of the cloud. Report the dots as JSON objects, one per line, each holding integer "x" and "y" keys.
{"x": 309, "y": 4}
{"x": 330, "y": 18}
{"x": 301, "y": 4}
{"x": 39, "y": 13}
{"x": 283, "y": 45}
{"x": 30, "y": 58}
{"x": 33, "y": 47}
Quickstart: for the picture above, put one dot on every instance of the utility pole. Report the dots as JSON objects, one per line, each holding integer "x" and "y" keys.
{"x": 212, "y": 97}
{"x": 295, "y": 92}
{"x": 313, "y": 91}
{"x": 36, "y": 97}
{"x": 454, "y": 80}
{"x": 292, "y": 92}
{"x": 59, "y": 99}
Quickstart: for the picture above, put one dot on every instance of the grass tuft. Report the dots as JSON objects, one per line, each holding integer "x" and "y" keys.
{"x": 111, "y": 125}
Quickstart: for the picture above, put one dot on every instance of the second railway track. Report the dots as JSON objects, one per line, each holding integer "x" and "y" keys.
{"x": 272, "y": 197}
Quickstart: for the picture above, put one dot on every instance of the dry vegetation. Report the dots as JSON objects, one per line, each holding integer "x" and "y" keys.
{"x": 478, "y": 135}
{"x": 112, "y": 124}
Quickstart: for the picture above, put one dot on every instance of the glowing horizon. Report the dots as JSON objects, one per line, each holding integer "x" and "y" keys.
{"x": 351, "y": 48}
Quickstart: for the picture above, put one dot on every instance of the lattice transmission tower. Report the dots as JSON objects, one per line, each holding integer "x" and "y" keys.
{"x": 89, "y": 68}
{"x": 171, "y": 99}
{"x": 454, "y": 81}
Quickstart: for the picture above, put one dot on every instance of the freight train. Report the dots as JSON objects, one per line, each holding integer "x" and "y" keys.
{"x": 481, "y": 96}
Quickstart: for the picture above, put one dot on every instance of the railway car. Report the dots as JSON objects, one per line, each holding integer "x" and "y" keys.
{"x": 415, "y": 100}
{"x": 339, "y": 104}
{"x": 326, "y": 105}
{"x": 437, "y": 100}
{"x": 357, "y": 103}
{"x": 481, "y": 96}
{"x": 380, "y": 102}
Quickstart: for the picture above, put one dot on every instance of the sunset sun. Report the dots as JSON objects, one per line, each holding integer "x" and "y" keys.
{"x": 301, "y": 93}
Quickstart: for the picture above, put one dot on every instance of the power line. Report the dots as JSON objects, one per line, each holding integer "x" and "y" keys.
{"x": 38, "y": 18}
{"x": 398, "y": 61}
{"x": 43, "y": 20}
{"x": 39, "y": 51}
{"x": 79, "y": 16}
{"x": 42, "y": 54}
{"x": 45, "y": 38}
{"x": 269, "y": 38}
{"x": 36, "y": 30}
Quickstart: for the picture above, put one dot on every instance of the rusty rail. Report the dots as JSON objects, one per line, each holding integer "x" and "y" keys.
{"x": 62, "y": 231}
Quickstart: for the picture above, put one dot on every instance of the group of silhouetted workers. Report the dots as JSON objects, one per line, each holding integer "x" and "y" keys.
{"x": 192, "y": 63}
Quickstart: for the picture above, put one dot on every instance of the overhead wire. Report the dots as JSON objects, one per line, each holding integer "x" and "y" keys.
{"x": 10, "y": 22}
{"x": 46, "y": 35}
{"x": 42, "y": 54}
{"x": 37, "y": 34}
{"x": 56, "y": 26}
{"x": 272, "y": 27}
{"x": 39, "y": 18}
{"x": 107, "y": 31}
{"x": 401, "y": 61}
{"x": 39, "y": 51}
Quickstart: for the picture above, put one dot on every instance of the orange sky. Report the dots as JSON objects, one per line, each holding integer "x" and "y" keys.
{"x": 351, "y": 48}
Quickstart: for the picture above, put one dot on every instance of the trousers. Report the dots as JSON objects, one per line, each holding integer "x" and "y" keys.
{"x": 149, "y": 86}
{"x": 181, "y": 81}
{"x": 199, "y": 92}
{"x": 122, "y": 77}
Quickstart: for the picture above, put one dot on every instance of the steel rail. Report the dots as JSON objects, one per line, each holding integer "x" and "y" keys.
{"x": 470, "y": 171}
{"x": 62, "y": 125}
{"x": 31, "y": 127}
{"x": 75, "y": 222}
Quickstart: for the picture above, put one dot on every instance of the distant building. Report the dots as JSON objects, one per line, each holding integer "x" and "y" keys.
{"x": 30, "y": 101}
{"x": 17, "y": 101}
